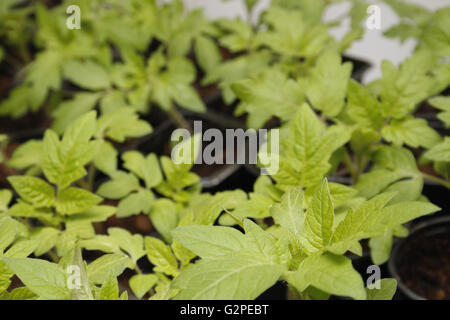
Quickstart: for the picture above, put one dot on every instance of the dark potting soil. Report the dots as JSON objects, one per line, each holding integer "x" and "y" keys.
{"x": 424, "y": 265}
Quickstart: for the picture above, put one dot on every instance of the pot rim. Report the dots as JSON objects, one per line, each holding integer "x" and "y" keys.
{"x": 391, "y": 263}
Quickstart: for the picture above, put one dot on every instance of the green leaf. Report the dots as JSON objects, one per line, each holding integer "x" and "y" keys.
{"x": 87, "y": 74}
{"x": 22, "y": 249}
{"x": 160, "y": 255}
{"x": 145, "y": 168}
{"x": 320, "y": 218}
{"x": 376, "y": 181}
{"x": 45, "y": 279}
{"x": 94, "y": 214}
{"x": 100, "y": 242}
{"x": 403, "y": 89}
{"x": 270, "y": 88}
{"x": 262, "y": 242}
{"x": 121, "y": 124}
{"x": 340, "y": 194}
{"x": 330, "y": 273}
{"x": 106, "y": 159}
{"x": 135, "y": 203}
{"x": 22, "y": 293}
{"x": 43, "y": 74}
{"x": 207, "y": 53}
{"x": 46, "y": 237}
{"x": 440, "y": 152}
{"x": 164, "y": 217}
{"x": 360, "y": 224}
{"x": 186, "y": 96}
{"x": 142, "y": 283}
{"x": 442, "y": 103}
{"x": 75, "y": 200}
{"x": 305, "y": 155}
{"x": 294, "y": 34}
{"x": 64, "y": 160}
{"x": 33, "y": 190}
{"x": 132, "y": 244}
{"x": 74, "y": 108}
{"x": 209, "y": 241}
{"x": 239, "y": 276}
{"x": 327, "y": 86}
{"x": 107, "y": 266}
{"x": 5, "y": 199}
{"x": 121, "y": 185}
{"x": 27, "y": 155}
{"x": 17, "y": 104}
{"x": 289, "y": 212}
{"x": 400, "y": 213}
{"x": 5, "y": 277}
{"x": 380, "y": 247}
{"x": 362, "y": 107}
{"x": 412, "y": 132}
{"x": 386, "y": 291}
{"x": 8, "y": 231}
{"x": 238, "y": 34}
{"x": 110, "y": 289}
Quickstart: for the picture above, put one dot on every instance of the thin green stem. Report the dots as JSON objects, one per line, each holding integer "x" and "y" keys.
{"x": 53, "y": 256}
{"x": 137, "y": 269}
{"x": 438, "y": 180}
{"x": 91, "y": 177}
{"x": 179, "y": 119}
{"x": 361, "y": 165}
{"x": 350, "y": 166}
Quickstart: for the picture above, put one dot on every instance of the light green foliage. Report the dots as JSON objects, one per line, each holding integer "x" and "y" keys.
{"x": 99, "y": 86}
{"x": 132, "y": 244}
{"x": 33, "y": 190}
{"x": 142, "y": 283}
{"x": 88, "y": 75}
{"x": 412, "y": 132}
{"x": 308, "y": 253}
{"x": 330, "y": 273}
{"x": 385, "y": 292}
{"x": 327, "y": 86}
{"x": 45, "y": 279}
{"x": 442, "y": 103}
{"x": 305, "y": 154}
{"x": 161, "y": 256}
{"x": 64, "y": 160}
{"x": 236, "y": 276}
{"x": 270, "y": 88}
{"x": 440, "y": 152}
{"x": 108, "y": 265}
{"x": 429, "y": 28}
{"x": 402, "y": 89}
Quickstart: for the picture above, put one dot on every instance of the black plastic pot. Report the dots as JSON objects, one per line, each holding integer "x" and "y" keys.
{"x": 420, "y": 263}
{"x": 437, "y": 195}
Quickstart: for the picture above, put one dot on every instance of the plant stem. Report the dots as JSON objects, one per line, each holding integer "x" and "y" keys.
{"x": 53, "y": 256}
{"x": 179, "y": 119}
{"x": 438, "y": 180}
{"x": 361, "y": 165}
{"x": 136, "y": 267}
{"x": 350, "y": 166}
{"x": 91, "y": 176}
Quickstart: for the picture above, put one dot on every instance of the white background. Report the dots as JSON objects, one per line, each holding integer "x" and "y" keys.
{"x": 373, "y": 47}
